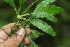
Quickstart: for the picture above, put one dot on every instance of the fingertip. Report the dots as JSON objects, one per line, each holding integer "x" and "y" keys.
{"x": 21, "y": 32}
{"x": 10, "y": 25}
{"x": 28, "y": 31}
{"x": 18, "y": 36}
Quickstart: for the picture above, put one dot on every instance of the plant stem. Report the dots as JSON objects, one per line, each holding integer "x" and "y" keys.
{"x": 16, "y": 11}
{"x": 19, "y": 9}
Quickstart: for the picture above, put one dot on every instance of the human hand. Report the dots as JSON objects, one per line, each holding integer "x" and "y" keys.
{"x": 13, "y": 41}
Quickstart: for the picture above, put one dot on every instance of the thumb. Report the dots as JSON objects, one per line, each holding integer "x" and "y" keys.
{"x": 16, "y": 39}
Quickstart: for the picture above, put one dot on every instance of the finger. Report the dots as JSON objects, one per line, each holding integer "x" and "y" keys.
{"x": 3, "y": 35}
{"x": 28, "y": 31}
{"x": 17, "y": 38}
{"x": 27, "y": 41}
{"x": 7, "y": 28}
{"x": 1, "y": 40}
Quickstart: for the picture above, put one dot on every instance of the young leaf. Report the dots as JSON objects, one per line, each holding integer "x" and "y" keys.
{"x": 46, "y": 15}
{"x": 11, "y": 2}
{"x": 21, "y": 2}
{"x": 29, "y": 7}
{"x": 33, "y": 43}
{"x": 36, "y": 33}
{"x": 43, "y": 26}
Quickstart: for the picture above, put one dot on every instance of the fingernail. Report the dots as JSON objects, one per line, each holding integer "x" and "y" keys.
{"x": 21, "y": 31}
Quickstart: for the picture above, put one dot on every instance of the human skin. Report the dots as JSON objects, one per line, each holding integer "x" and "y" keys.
{"x": 13, "y": 41}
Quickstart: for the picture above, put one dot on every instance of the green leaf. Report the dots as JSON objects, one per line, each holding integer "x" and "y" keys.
{"x": 47, "y": 11}
{"x": 12, "y": 32}
{"x": 32, "y": 36}
{"x": 52, "y": 9}
{"x": 36, "y": 33}
{"x": 33, "y": 43}
{"x": 21, "y": 2}
{"x": 11, "y": 2}
{"x": 47, "y": 1}
{"x": 46, "y": 15}
{"x": 43, "y": 4}
{"x": 43, "y": 26}
{"x": 44, "y": 10}
{"x": 29, "y": 7}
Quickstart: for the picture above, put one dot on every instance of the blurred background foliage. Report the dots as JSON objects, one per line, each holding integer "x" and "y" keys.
{"x": 8, "y": 15}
